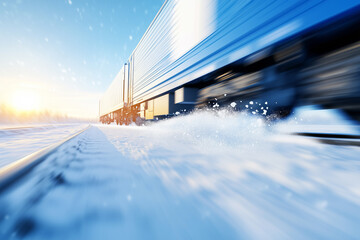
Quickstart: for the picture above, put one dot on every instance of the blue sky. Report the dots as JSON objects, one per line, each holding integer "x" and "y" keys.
{"x": 68, "y": 52}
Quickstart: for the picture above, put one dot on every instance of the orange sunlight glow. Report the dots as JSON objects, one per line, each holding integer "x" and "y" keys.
{"x": 25, "y": 100}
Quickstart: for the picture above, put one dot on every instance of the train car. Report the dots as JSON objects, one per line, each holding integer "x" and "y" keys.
{"x": 112, "y": 102}
{"x": 204, "y": 52}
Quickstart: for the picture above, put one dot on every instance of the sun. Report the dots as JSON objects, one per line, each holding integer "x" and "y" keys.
{"x": 25, "y": 100}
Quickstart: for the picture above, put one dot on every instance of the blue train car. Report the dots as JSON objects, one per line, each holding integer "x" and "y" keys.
{"x": 284, "y": 52}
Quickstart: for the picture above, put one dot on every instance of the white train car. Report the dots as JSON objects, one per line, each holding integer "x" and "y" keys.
{"x": 197, "y": 52}
{"x": 112, "y": 101}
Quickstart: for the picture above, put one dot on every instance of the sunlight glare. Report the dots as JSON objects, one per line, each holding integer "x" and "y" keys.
{"x": 25, "y": 100}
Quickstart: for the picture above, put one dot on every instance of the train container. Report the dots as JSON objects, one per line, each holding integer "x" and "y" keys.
{"x": 195, "y": 53}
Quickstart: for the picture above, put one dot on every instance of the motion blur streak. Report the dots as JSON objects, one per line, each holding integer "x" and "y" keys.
{"x": 207, "y": 175}
{"x": 192, "y": 22}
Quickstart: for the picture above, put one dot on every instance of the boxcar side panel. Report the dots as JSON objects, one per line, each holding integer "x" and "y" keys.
{"x": 189, "y": 39}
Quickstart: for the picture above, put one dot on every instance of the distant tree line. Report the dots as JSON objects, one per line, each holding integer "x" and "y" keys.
{"x": 9, "y": 115}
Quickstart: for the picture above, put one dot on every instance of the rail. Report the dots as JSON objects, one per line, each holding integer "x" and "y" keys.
{"x": 16, "y": 170}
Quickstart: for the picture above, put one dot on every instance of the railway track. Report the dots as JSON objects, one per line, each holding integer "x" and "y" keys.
{"x": 14, "y": 171}
{"x": 71, "y": 180}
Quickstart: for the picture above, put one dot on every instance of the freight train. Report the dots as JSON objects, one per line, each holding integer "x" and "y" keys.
{"x": 199, "y": 53}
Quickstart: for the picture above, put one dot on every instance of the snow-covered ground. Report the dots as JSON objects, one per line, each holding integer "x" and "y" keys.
{"x": 21, "y": 140}
{"x": 208, "y": 175}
